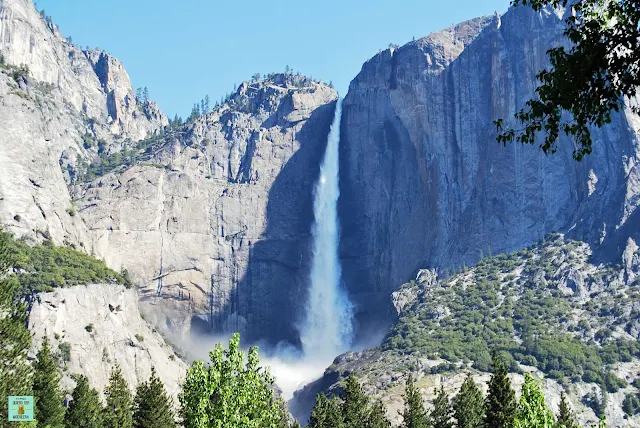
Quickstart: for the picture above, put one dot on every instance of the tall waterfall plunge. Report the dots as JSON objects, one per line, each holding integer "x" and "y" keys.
{"x": 327, "y": 328}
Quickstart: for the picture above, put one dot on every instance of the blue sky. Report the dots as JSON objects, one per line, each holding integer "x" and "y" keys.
{"x": 183, "y": 50}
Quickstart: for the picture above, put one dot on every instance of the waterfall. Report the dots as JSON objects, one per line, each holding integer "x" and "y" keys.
{"x": 327, "y": 327}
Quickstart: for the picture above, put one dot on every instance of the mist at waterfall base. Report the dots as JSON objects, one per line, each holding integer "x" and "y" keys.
{"x": 327, "y": 327}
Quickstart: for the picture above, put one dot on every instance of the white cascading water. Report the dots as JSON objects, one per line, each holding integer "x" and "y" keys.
{"x": 326, "y": 330}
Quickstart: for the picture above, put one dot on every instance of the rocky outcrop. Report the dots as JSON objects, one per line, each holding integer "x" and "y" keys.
{"x": 101, "y": 327}
{"x": 437, "y": 323}
{"x": 216, "y": 225}
{"x": 92, "y": 82}
{"x": 423, "y": 181}
{"x": 222, "y": 204}
{"x": 65, "y": 95}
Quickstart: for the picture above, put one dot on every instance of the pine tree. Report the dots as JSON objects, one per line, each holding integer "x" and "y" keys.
{"x": 414, "y": 415}
{"x": 532, "y": 410}
{"x": 49, "y": 399}
{"x": 152, "y": 405}
{"x": 118, "y": 411}
{"x": 15, "y": 371}
{"x": 500, "y": 404}
{"x": 145, "y": 94}
{"x": 468, "y": 405}
{"x": 377, "y": 417}
{"x": 442, "y": 413}
{"x": 355, "y": 404}
{"x": 326, "y": 413}
{"x": 566, "y": 418}
{"x": 85, "y": 409}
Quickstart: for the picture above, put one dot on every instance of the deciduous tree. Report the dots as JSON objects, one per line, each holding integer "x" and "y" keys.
{"x": 587, "y": 81}
{"x": 229, "y": 392}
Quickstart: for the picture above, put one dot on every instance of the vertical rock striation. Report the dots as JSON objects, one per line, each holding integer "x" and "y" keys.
{"x": 217, "y": 227}
{"x": 67, "y": 93}
{"x": 424, "y": 182}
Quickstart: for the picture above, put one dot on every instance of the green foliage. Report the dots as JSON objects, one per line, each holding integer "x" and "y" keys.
{"x": 631, "y": 404}
{"x": 377, "y": 417}
{"x": 353, "y": 410}
{"x": 502, "y": 304}
{"x": 597, "y": 402}
{"x": 442, "y": 414}
{"x": 47, "y": 266}
{"x": 468, "y": 405}
{"x": 612, "y": 382}
{"x": 15, "y": 371}
{"x": 152, "y": 405}
{"x": 532, "y": 409}
{"x": 229, "y": 392}
{"x": 139, "y": 337}
{"x": 64, "y": 349}
{"x": 500, "y": 404}
{"x": 85, "y": 409}
{"x": 89, "y": 328}
{"x": 355, "y": 404}
{"x": 414, "y": 415}
{"x": 20, "y": 72}
{"x": 566, "y": 418}
{"x": 133, "y": 153}
{"x": 49, "y": 411}
{"x": 588, "y": 81}
{"x": 284, "y": 418}
{"x": 326, "y": 413}
{"x": 118, "y": 411}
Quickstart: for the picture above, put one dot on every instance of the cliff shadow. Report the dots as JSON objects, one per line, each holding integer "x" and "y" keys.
{"x": 271, "y": 293}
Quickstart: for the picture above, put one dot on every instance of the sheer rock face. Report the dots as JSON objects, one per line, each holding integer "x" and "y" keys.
{"x": 44, "y": 115}
{"x": 423, "y": 181}
{"x": 103, "y": 327}
{"x": 231, "y": 210}
{"x": 92, "y": 82}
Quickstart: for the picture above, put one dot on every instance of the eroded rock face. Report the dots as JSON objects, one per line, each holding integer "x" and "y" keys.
{"x": 231, "y": 212}
{"x": 103, "y": 327}
{"x": 44, "y": 116}
{"x": 423, "y": 181}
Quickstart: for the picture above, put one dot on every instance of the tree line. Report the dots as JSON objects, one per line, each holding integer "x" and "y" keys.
{"x": 234, "y": 391}
{"x": 468, "y": 409}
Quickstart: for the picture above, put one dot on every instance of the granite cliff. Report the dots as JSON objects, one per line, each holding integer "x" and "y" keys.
{"x": 91, "y": 328}
{"x": 216, "y": 226}
{"x": 46, "y": 112}
{"x": 424, "y": 183}
{"x": 212, "y": 219}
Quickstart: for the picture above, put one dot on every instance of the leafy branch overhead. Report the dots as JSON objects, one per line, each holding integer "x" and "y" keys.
{"x": 587, "y": 82}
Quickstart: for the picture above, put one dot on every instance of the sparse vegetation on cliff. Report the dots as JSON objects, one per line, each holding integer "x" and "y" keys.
{"x": 527, "y": 305}
{"x": 46, "y": 266}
